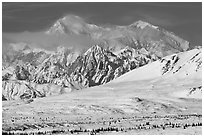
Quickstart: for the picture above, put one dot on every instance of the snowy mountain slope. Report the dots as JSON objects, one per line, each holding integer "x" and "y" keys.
{"x": 182, "y": 64}
{"x": 183, "y": 71}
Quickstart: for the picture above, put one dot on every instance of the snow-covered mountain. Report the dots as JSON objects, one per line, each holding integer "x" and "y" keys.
{"x": 184, "y": 66}
{"x": 120, "y": 49}
{"x": 181, "y": 65}
{"x": 138, "y": 35}
{"x": 18, "y": 89}
{"x": 73, "y": 70}
{"x": 21, "y": 53}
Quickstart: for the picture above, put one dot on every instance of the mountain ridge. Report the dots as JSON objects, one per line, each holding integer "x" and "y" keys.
{"x": 121, "y": 49}
{"x": 120, "y": 36}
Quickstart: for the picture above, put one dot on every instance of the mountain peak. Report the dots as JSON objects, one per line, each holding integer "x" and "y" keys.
{"x": 69, "y": 23}
{"x": 72, "y": 19}
{"x": 142, "y": 24}
{"x": 95, "y": 49}
{"x": 58, "y": 27}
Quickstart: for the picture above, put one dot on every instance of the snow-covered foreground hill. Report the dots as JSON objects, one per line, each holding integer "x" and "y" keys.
{"x": 182, "y": 65}
{"x": 163, "y": 97}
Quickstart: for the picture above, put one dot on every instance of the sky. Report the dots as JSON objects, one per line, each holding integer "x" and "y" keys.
{"x": 184, "y": 19}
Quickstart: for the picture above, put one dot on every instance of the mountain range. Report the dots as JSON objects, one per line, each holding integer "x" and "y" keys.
{"x": 118, "y": 51}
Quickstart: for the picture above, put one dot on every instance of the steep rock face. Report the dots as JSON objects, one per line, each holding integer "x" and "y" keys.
{"x": 99, "y": 66}
{"x": 94, "y": 65}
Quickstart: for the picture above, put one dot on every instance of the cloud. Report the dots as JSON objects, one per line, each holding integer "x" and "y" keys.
{"x": 48, "y": 42}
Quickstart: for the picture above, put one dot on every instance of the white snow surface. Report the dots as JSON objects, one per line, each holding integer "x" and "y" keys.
{"x": 185, "y": 66}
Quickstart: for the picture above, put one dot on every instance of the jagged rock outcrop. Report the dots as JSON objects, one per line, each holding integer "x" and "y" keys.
{"x": 98, "y": 66}
{"x": 94, "y": 67}
{"x": 195, "y": 91}
{"x": 18, "y": 89}
{"x": 71, "y": 70}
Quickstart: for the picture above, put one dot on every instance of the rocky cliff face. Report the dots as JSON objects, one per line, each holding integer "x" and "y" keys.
{"x": 94, "y": 67}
